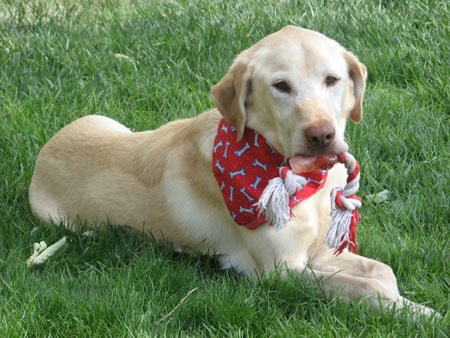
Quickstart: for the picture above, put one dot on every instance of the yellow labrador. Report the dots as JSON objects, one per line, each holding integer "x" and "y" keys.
{"x": 296, "y": 89}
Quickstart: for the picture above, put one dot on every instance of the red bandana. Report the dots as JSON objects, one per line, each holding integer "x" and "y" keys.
{"x": 243, "y": 169}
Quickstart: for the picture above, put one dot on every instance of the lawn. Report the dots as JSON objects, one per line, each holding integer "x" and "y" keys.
{"x": 145, "y": 63}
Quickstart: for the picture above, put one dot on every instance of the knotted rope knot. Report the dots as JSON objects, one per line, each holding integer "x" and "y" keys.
{"x": 292, "y": 182}
{"x": 344, "y": 209}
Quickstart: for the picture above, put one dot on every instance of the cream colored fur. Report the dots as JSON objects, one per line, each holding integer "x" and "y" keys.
{"x": 161, "y": 180}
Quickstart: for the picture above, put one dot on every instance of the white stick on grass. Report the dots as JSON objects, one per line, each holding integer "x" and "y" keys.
{"x": 42, "y": 253}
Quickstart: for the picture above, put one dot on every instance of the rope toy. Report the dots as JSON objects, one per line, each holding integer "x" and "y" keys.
{"x": 274, "y": 201}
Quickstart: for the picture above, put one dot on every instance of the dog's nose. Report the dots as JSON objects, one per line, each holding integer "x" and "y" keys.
{"x": 320, "y": 135}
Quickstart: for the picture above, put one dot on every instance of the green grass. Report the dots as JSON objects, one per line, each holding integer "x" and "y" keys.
{"x": 147, "y": 62}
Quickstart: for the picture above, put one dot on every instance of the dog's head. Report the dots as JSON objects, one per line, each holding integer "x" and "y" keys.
{"x": 297, "y": 88}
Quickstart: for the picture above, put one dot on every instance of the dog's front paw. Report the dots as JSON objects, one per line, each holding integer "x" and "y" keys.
{"x": 419, "y": 309}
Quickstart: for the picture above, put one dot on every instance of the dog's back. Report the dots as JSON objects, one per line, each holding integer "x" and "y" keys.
{"x": 97, "y": 170}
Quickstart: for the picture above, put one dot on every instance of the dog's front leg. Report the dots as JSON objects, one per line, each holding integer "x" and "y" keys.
{"x": 351, "y": 276}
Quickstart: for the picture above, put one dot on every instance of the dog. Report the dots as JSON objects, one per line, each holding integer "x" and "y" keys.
{"x": 295, "y": 89}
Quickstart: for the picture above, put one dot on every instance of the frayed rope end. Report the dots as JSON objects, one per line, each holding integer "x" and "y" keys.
{"x": 274, "y": 203}
{"x": 342, "y": 233}
{"x": 344, "y": 209}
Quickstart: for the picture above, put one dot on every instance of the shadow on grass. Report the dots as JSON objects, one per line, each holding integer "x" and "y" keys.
{"x": 192, "y": 294}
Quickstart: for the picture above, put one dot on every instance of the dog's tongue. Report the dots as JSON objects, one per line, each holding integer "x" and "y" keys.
{"x": 301, "y": 164}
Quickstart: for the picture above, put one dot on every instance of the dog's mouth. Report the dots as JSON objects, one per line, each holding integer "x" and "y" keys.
{"x": 301, "y": 164}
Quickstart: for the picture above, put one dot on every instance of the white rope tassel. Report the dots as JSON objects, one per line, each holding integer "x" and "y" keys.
{"x": 338, "y": 232}
{"x": 344, "y": 206}
{"x": 274, "y": 201}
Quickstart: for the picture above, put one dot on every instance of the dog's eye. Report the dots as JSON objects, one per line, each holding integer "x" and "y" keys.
{"x": 282, "y": 86}
{"x": 331, "y": 80}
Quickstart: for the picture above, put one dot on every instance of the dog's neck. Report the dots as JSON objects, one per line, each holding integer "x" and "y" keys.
{"x": 243, "y": 170}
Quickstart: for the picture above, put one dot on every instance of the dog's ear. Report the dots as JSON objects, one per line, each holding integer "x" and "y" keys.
{"x": 230, "y": 93}
{"x": 358, "y": 74}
